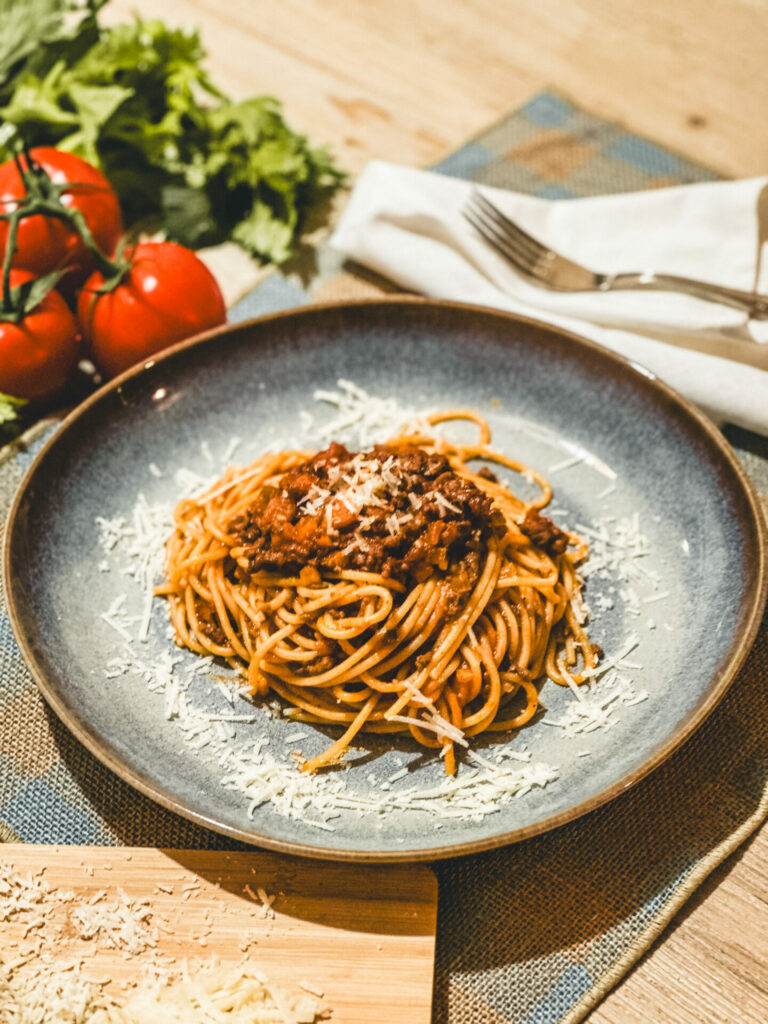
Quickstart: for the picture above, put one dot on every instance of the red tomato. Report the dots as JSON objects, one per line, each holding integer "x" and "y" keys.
{"x": 45, "y": 243}
{"x": 38, "y": 354}
{"x": 167, "y": 295}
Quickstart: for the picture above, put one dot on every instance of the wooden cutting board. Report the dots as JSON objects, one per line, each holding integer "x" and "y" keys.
{"x": 363, "y": 935}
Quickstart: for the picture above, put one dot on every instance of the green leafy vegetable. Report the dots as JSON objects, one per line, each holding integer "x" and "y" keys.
{"x": 30, "y": 28}
{"x": 10, "y": 421}
{"x": 135, "y": 101}
{"x": 9, "y": 408}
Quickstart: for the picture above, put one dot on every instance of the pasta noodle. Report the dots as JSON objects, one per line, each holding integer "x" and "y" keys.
{"x": 403, "y": 589}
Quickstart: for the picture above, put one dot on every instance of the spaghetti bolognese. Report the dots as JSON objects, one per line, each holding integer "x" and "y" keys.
{"x": 405, "y": 588}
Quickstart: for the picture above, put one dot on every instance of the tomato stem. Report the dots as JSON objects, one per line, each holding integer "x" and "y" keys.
{"x": 43, "y": 197}
{"x": 10, "y": 249}
{"x": 74, "y": 218}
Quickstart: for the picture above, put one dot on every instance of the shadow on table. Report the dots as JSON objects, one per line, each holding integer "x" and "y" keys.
{"x": 574, "y": 899}
{"x": 569, "y": 904}
{"x": 349, "y": 896}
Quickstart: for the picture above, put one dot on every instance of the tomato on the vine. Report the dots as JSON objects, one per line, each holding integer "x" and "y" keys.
{"x": 39, "y": 353}
{"x": 45, "y": 244}
{"x": 165, "y": 294}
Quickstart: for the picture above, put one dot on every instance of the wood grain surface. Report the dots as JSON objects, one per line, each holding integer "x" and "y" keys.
{"x": 410, "y": 80}
{"x": 364, "y": 936}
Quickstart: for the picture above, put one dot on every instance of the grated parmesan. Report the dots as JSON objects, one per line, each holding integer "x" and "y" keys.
{"x": 617, "y": 551}
{"x": 45, "y": 981}
{"x": 212, "y": 996}
{"x": 363, "y": 418}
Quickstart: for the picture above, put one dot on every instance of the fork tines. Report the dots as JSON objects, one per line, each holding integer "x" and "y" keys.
{"x": 503, "y": 234}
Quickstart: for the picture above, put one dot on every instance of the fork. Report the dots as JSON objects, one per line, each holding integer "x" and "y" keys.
{"x": 546, "y": 267}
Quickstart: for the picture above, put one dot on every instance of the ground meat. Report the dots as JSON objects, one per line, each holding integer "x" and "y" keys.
{"x": 209, "y": 624}
{"x": 398, "y": 511}
{"x": 543, "y": 532}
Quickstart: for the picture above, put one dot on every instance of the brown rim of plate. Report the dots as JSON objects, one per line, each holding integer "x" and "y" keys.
{"x": 718, "y": 685}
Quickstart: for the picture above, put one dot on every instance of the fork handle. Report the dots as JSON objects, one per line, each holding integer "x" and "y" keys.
{"x": 750, "y": 302}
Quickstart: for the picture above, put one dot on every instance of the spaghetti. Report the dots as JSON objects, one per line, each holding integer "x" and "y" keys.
{"x": 393, "y": 590}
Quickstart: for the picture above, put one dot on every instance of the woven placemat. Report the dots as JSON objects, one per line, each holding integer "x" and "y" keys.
{"x": 536, "y": 933}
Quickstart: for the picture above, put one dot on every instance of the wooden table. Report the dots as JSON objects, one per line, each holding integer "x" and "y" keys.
{"x": 410, "y": 80}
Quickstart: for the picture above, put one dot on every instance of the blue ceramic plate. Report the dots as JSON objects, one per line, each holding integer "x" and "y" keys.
{"x": 676, "y": 583}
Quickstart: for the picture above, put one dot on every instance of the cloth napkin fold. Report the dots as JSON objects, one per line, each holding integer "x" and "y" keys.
{"x": 407, "y": 225}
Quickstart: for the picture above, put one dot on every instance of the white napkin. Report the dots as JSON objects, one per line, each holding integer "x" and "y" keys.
{"x": 407, "y": 225}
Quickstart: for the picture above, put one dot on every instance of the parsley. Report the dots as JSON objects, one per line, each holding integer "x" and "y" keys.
{"x": 134, "y": 101}
{"x": 10, "y": 422}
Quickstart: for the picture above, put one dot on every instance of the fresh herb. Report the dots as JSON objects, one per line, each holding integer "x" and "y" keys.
{"x": 135, "y": 101}
{"x": 10, "y": 421}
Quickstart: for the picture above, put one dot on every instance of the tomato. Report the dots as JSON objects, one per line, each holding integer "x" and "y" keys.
{"x": 38, "y": 354}
{"x": 168, "y": 294}
{"x": 45, "y": 243}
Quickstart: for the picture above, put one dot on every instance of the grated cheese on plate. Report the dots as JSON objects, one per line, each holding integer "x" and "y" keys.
{"x": 617, "y": 553}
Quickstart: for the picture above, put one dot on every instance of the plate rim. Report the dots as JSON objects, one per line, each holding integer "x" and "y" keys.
{"x": 720, "y": 681}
